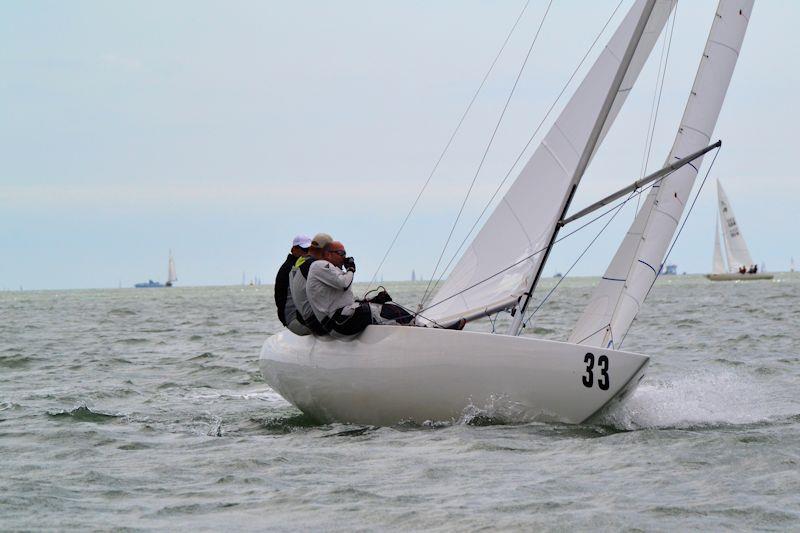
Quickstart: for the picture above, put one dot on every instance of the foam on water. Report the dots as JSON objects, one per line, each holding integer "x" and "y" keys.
{"x": 701, "y": 398}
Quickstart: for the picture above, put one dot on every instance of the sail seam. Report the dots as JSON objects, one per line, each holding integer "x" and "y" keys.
{"x": 657, "y": 210}
{"x": 649, "y": 265}
{"x": 521, "y": 225}
{"x": 704, "y": 134}
{"x": 724, "y": 45}
{"x": 557, "y": 127}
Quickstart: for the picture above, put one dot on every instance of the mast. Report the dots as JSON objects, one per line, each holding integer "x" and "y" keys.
{"x": 588, "y": 150}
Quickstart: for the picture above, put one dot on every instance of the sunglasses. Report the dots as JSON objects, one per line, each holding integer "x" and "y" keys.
{"x": 340, "y": 253}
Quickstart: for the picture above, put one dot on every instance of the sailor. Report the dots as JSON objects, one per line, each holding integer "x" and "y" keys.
{"x": 283, "y": 301}
{"x": 329, "y": 292}
{"x": 297, "y": 283}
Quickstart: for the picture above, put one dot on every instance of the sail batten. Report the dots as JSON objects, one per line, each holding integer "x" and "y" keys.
{"x": 521, "y": 226}
{"x": 610, "y": 312}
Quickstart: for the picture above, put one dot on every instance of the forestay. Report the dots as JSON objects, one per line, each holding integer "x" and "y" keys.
{"x": 736, "y": 248}
{"x": 525, "y": 218}
{"x": 623, "y": 288}
{"x": 718, "y": 266}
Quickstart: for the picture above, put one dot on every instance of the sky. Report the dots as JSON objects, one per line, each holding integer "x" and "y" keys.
{"x": 219, "y": 130}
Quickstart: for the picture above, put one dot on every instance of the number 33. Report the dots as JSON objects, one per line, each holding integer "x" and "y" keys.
{"x": 602, "y": 365}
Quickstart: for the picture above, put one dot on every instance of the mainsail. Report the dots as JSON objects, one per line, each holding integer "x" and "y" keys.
{"x": 631, "y": 273}
{"x": 736, "y": 248}
{"x": 171, "y": 276}
{"x": 718, "y": 266}
{"x": 524, "y": 220}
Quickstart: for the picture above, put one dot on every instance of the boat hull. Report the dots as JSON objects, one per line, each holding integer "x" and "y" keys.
{"x": 738, "y": 277}
{"x": 393, "y": 374}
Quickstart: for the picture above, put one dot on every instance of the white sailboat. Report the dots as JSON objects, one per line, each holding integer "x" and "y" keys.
{"x": 390, "y": 374}
{"x": 171, "y": 276}
{"x": 736, "y": 251}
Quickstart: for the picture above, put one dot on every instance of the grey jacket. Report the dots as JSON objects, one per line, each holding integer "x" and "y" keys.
{"x": 297, "y": 284}
{"x": 328, "y": 289}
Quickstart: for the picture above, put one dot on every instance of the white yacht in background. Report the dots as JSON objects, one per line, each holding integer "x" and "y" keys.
{"x": 171, "y": 276}
{"x": 740, "y": 262}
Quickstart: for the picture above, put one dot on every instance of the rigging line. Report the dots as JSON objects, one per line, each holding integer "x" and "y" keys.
{"x": 598, "y": 217}
{"x": 660, "y": 91}
{"x": 648, "y": 138}
{"x": 594, "y": 333}
{"x": 449, "y": 142}
{"x": 530, "y": 140}
{"x": 415, "y": 314}
{"x": 656, "y": 105}
{"x": 486, "y": 151}
{"x": 675, "y": 241}
{"x": 544, "y": 300}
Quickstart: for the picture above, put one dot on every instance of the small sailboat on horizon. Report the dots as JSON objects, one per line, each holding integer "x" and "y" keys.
{"x": 171, "y": 277}
{"x": 740, "y": 265}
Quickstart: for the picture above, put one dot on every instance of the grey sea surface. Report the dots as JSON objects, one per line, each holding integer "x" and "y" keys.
{"x": 145, "y": 409}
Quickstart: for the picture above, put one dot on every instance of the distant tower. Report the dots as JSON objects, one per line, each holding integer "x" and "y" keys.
{"x": 413, "y": 275}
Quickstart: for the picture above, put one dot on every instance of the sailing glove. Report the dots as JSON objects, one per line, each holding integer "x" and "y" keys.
{"x": 350, "y": 264}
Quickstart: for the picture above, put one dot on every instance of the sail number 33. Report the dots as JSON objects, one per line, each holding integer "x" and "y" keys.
{"x": 602, "y": 370}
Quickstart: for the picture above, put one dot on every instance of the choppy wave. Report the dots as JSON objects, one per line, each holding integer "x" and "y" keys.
{"x": 126, "y": 407}
{"x": 82, "y": 413}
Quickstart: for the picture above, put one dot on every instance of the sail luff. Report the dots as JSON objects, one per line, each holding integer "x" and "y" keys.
{"x": 718, "y": 265}
{"x": 628, "y": 278}
{"x": 523, "y": 222}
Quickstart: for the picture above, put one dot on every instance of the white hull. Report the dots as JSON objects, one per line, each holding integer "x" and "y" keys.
{"x": 738, "y": 277}
{"x": 391, "y": 374}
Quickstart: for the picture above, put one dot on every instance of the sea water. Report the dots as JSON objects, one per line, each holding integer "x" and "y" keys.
{"x": 145, "y": 409}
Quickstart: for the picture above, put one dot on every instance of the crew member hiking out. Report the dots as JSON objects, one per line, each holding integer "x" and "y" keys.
{"x": 283, "y": 299}
{"x": 297, "y": 283}
{"x": 330, "y": 295}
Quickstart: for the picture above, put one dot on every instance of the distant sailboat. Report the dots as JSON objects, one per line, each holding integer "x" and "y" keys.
{"x": 171, "y": 276}
{"x": 740, "y": 262}
{"x": 791, "y": 264}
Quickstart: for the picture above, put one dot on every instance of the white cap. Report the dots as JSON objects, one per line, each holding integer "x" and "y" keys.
{"x": 303, "y": 241}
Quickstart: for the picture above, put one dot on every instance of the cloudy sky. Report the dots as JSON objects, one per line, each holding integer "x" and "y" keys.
{"x": 221, "y": 129}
